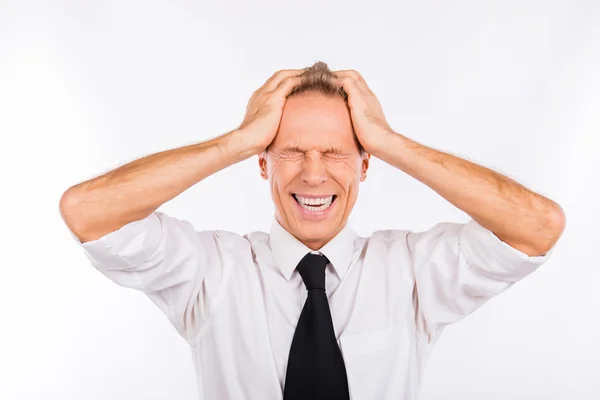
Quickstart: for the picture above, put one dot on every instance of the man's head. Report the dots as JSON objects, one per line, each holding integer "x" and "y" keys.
{"x": 315, "y": 154}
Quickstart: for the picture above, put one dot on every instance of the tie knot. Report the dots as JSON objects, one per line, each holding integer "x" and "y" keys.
{"x": 312, "y": 270}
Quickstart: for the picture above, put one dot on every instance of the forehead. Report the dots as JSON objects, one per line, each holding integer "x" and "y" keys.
{"x": 310, "y": 120}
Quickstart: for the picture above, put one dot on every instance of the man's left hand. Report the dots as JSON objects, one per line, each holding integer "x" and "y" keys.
{"x": 368, "y": 119}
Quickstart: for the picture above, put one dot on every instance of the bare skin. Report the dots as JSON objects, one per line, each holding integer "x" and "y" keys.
{"x": 518, "y": 216}
{"x": 101, "y": 205}
{"x": 315, "y": 154}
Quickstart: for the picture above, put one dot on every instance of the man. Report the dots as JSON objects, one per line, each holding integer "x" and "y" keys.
{"x": 311, "y": 310}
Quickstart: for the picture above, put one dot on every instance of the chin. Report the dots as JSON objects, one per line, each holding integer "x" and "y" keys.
{"x": 312, "y": 231}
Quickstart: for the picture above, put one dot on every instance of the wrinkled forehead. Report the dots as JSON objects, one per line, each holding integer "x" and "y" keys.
{"x": 315, "y": 121}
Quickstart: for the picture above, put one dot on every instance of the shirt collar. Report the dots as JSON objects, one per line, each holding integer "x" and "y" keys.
{"x": 288, "y": 250}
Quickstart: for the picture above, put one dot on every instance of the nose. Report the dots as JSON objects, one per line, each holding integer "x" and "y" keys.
{"x": 314, "y": 172}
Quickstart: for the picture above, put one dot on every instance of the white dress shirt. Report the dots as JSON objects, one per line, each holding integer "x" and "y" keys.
{"x": 236, "y": 299}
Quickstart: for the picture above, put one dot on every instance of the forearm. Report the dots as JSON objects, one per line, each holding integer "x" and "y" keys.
{"x": 520, "y": 217}
{"x": 133, "y": 191}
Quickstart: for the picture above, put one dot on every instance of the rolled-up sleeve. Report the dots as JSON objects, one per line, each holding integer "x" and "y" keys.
{"x": 177, "y": 267}
{"x": 458, "y": 267}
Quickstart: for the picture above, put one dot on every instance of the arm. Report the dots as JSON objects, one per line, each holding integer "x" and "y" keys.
{"x": 523, "y": 219}
{"x": 133, "y": 191}
{"x": 458, "y": 267}
{"x": 114, "y": 220}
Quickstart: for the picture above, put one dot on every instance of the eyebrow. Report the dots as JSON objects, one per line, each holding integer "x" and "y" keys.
{"x": 330, "y": 150}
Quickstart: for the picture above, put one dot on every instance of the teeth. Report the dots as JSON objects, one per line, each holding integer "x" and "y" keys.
{"x": 315, "y": 208}
{"x": 314, "y": 205}
{"x": 319, "y": 201}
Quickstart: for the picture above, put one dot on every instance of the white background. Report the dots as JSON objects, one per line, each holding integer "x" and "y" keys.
{"x": 87, "y": 86}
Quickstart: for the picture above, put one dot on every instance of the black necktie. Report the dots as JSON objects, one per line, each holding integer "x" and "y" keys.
{"x": 315, "y": 369}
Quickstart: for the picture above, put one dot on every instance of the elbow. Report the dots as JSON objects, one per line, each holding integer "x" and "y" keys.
{"x": 68, "y": 204}
{"x": 558, "y": 220}
{"x": 552, "y": 229}
{"x": 68, "y": 207}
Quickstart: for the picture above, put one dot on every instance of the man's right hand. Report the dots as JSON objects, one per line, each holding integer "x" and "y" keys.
{"x": 265, "y": 108}
{"x": 134, "y": 190}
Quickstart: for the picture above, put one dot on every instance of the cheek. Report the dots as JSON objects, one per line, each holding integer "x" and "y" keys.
{"x": 345, "y": 173}
{"x": 283, "y": 173}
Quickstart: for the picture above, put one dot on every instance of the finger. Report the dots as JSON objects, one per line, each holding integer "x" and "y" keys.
{"x": 349, "y": 72}
{"x": 350, "y": 86}
{"x": 286, "y": 86}
{"x": 357, "y": 78}
{"x": 274, "y": 81}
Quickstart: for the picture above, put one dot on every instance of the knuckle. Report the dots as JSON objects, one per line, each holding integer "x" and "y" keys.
{"x": 293, "y": 80}
{"x": 356, "y": 76}
{"x": 286, "y": 71}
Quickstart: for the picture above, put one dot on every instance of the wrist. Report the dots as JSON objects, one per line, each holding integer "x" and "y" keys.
{"x": 237, "y": 145}
{"x": 382, "y": 143}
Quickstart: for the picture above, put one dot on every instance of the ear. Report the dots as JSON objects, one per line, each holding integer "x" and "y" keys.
{"x": 262, "y": 164}
{"x": 364, "y": 166}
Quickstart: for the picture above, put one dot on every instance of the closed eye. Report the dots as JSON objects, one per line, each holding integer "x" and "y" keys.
{"x": 296, "y": 152}
{"x": 291, "y": 153}
{"x": 336, "y": 154}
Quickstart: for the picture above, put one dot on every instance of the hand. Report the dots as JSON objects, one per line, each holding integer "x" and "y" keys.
{"x": 367, "y": 115}
{"x": 265, "y": 108}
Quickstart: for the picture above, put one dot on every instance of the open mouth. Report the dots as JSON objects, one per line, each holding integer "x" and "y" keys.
{"x": 315, "y": 204}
